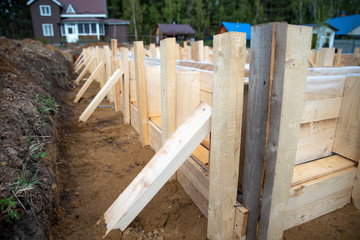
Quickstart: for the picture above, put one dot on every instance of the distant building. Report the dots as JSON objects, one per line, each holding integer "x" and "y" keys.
{"x": 347, "y": 36}
{"x": 235, "y": 27}
{"x": 181, "y": 32}
{"x": 323, "y": 35}
{"x": 74, "y": 20}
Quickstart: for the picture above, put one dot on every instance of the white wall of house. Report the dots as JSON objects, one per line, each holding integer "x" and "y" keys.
{"x": 324, "y": 34}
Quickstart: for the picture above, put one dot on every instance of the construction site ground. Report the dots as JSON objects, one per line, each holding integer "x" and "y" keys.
{"x": 91, "y": 163}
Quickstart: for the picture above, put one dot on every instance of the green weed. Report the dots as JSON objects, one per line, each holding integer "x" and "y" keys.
{"x": 47, "y": 105}
{"x": 8, "y": 209}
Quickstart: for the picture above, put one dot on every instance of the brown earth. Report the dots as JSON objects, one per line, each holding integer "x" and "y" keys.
{"x": 89, "y": 164}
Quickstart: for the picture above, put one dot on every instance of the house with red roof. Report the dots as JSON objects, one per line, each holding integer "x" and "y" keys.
{"x": 75, "y": 20}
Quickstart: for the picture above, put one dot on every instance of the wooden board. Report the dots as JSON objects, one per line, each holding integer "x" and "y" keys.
{"x": 317, "y": 110}
{"x": 197, "y": 51}
{"x": 168, "y": 87}
{"x": 88, "y": 82}
{"x": 154, "y": 136}
{"x": 126, "y": 85}
{"x": 318, "y": 197}
{"x": 187, "y": 94}
{"x": 326, "y": 57}
{"x": 278, "y": 64}
{"x": 141, "y": 93}
{"x": 153, "y": 84}
{"x": 347, "y": 137}
{"x": 315, "y": 140}
{"x": 206, "y": 97}
{"x": 84, "y": 71}
{"x": 134, "y": 117}
{"x": 309, "y": 171}
{"x": 161, "y": 167}
{"x": 108, "y": 72}
{"x": 101, "y": 95}
{"x": 333, "y": 71}
{"x": 226, "y": 121}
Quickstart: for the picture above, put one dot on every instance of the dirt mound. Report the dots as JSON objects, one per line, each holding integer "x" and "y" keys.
{"x": 29, "y": 73}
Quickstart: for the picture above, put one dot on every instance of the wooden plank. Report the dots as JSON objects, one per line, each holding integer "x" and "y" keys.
{"x": 188, "y": 51}
{"x": 108, "y": 71}
{"x": 100, "y": 96}
{"x": 155, "y": 136}
{"x": 84, "y": 71}
{"x": 315, "y": 140}
{"x": 153, "y": 83}
{"x": 197, "y": 51}
{"x": 228, "y": 87}
{"x": 241, "y": 217}
{"x": 126, "y": 85}
{"x": 276, "y": 91}
{"x": 187, "y": 94}
{"x": 206, "y": 97}
{"x": 347, "y": 136}
{"x": 317, "y": 110}
{"x": 161, "y": 167}
{"x": 326, "y": 57}
{"x": 337, "y": 59}
{"x": 355, "y": 194}
{"x": 333, "y": 71}
{"x": 168, "y": 87}
{"x": 115, "y": 66}
{"x": 134, "y": 117}
{"x": 141, "y": 93}
{"x": 79, "y": 59}
{"x": 88, "y": 82}
{"x": 318, "y": 197}
{"x": 206, "y": 80}
{"x": 202, "y": 155}
{"x": 319, "y": 168}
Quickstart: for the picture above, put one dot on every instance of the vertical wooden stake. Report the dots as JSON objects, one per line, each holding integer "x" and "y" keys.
{"x": 141, "y": 92}
{"x": 197, "y": 51}
{"x": 125, "y": 85}
{"x": 356, "y": 52}
{"x": 108, "y": 71}
{"x": 168, "y": 87}
{"x": 337, "y": 60}
{"x": 278, "y": 71}
{"x": 228, "y": 89}
{"x": 115, "y": 66}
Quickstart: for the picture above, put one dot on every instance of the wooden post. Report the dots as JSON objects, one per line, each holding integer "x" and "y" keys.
{"x": 356, "y": 52}
{"x": 228, "y": 89}
{"x": 115, "y": 66}
{"x": 152, "y": 50}
{"x": 168, "y": 87}
{"x": 197, "y": 51}
{"x": 278, "y": 72}
{"x": 337, "y": 60}
{"x": 326, "y": 57}
{"x": 188, "y": 50}
{"x": 125, "y": 85}
{"x": 347, "y": 135}
{"x": 141, "y": 92}
{"x": 108, "y": 71}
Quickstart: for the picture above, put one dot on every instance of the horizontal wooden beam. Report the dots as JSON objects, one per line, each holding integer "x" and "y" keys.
{"x": 161, "y": 167}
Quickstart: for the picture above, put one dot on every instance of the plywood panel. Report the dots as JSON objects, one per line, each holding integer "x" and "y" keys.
{"x": 317, "y": 110}
{"x": 134, "y": 117}
{"x": 153, "y": 83}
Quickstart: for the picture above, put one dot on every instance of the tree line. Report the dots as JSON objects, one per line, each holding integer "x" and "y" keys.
{"x": 205, "y": 16}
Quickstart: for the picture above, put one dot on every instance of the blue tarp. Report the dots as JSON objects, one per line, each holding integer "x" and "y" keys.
{"x": 345, "y": 24}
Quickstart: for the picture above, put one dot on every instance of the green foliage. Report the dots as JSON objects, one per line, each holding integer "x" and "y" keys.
{"x": 47, "y": 105}
{"x": 43, "y": 40}
{"x": 26, "y": 180}
{"x": 8, "y": 209}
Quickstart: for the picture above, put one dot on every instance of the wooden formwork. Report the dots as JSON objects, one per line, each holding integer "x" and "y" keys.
{"x": 289, "y": 139}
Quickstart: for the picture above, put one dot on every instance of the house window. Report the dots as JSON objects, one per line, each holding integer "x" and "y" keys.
{"x": 81, "y": 28}
{"x": 48, "y": 29}
{"x": 45, "y": 10}
{"x": 93, "y": 28}
{"x": 102, "y": 30}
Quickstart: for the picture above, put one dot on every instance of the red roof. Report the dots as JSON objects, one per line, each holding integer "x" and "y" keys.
{"x": 85, "y": 6}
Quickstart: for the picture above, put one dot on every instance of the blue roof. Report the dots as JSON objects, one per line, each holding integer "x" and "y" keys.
{"x": 345, "y": 24}
{"x": 238, "y": 27}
